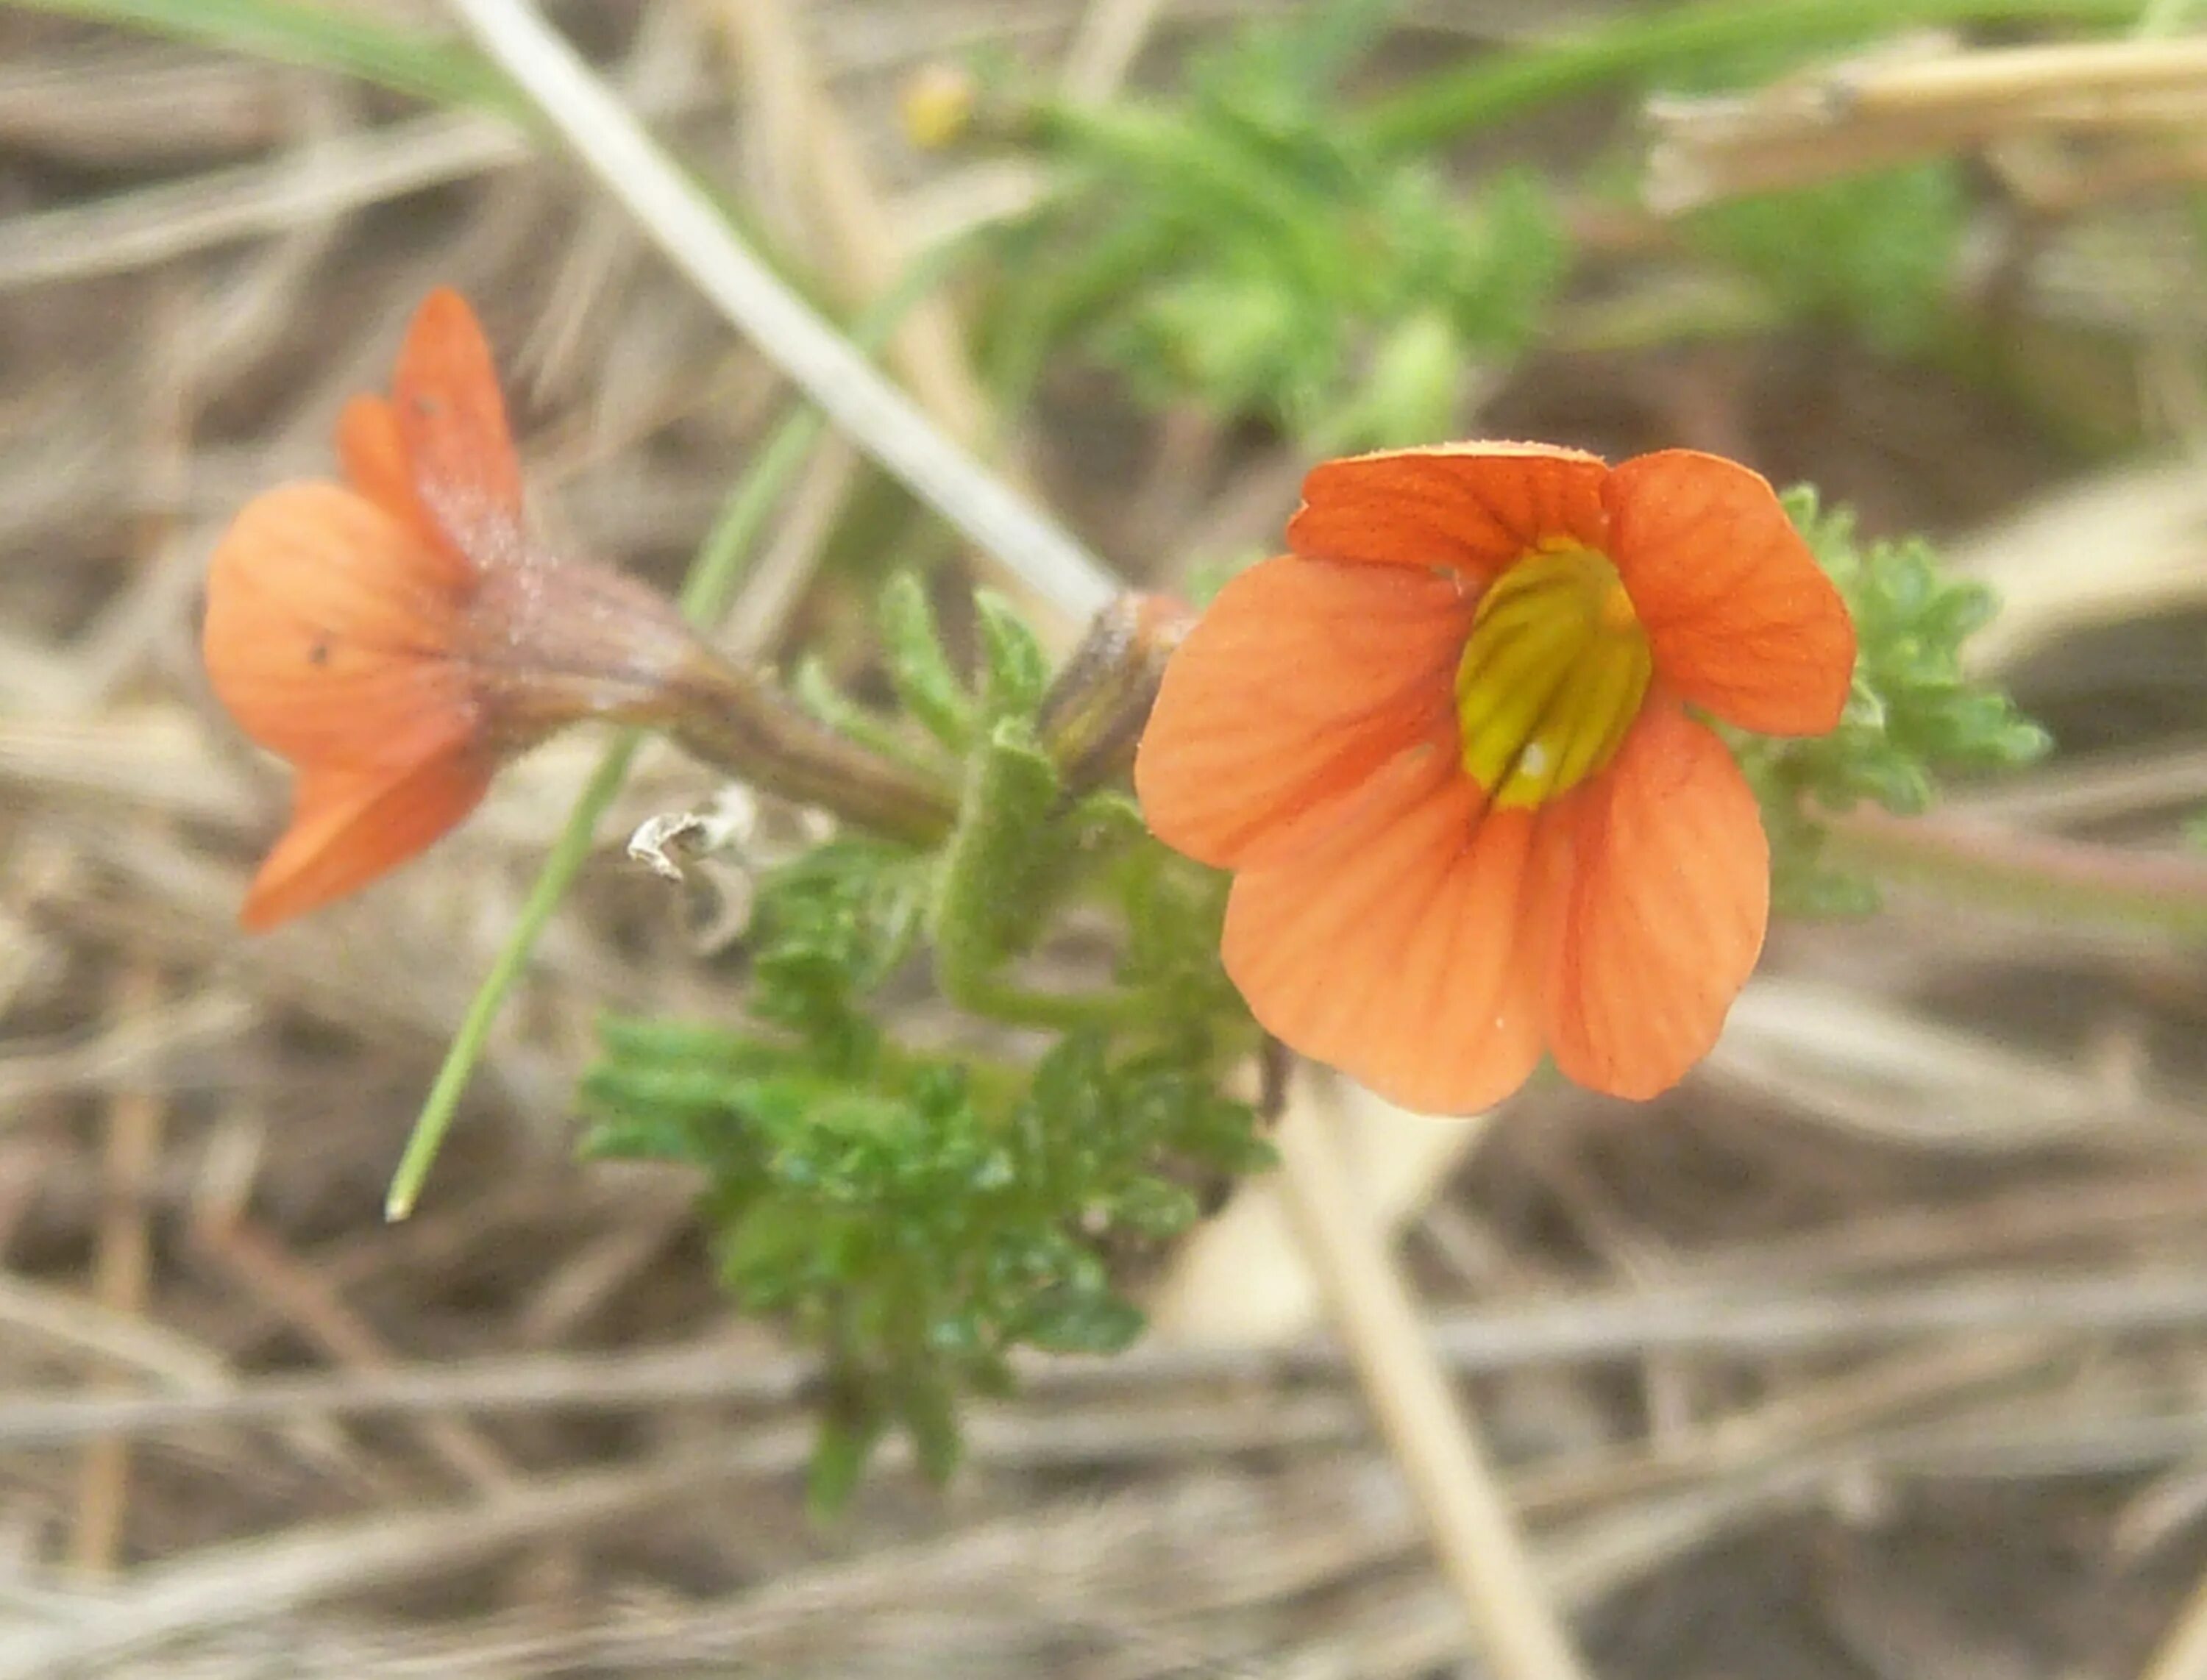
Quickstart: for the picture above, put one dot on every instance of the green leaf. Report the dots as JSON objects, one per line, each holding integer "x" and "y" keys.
{"x": 669, "y": 1090}
{"x": 773, "y": 1248}
{"x": 1505, "y": 261}
{"x": 840, "y": 1457}
{"x": 917, "y": 1221}
{"x": 1071, "y": 1321}
{"x": 829, "y": 928}
{"x": 1155, "y": 1208}
{"x": 928, "y": 1412}
{"x": 1283, "y": 269}
{"x": 919, "y": 668}
{"x": 815, "y": 691}
{"x": 632, "y": 1136}
{"x": 1878, "y": 252}
{"x": 1913, "y": 716}
{"x": 654, "y": 1045}
{"x": 984, "y": 905}
{"x": 1014, "y": 670}
{"x": 1411, "y": 394}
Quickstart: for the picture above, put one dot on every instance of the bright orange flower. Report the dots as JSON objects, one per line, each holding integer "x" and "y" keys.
{"x": 1445, "y": 744}
{"x": 399, "y": 636}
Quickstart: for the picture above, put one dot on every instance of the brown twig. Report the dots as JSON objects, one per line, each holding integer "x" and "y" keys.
{"x": 846, "y": 208}
{"x": 256, "y": 1581}
{"x": 254, "y": 1259}
{"x": 122, "y": 1272}
{"x": 1893, "y": 109}
{"x": 1433, "y": 1440}
{"x": 1108, "y": 41}
{"x": 1729, "y": 1321}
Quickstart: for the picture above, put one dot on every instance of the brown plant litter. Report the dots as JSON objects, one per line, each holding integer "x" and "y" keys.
{"x": 1879, "y": 1351}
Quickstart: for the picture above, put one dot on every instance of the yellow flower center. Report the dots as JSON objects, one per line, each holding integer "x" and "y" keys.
{"x": 1551, "y": 677}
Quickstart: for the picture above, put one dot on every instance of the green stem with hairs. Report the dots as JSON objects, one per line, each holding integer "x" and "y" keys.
{"x": 2042, "y": 876}
{"x": 1056, "y": 1011}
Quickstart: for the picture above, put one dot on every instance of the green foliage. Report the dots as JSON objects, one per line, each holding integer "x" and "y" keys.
{"x": 911, "y": 647}
{"x": 917, "y": 1211}
{"x": 987, "y": 898}
{"x": 1014, "y": 670}
{"x": 1874, "y": 253}
{"x": 1913, "y": 714}
{"x": 1245, "y": 246}
{"x": 1263, "y": 246}
{"x": 916, "y": 1218}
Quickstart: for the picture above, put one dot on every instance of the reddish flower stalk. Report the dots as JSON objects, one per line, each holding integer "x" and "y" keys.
{"x": 398, "y": 637}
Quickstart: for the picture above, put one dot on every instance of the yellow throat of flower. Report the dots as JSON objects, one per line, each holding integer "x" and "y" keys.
{"x": 1552, "y": 675}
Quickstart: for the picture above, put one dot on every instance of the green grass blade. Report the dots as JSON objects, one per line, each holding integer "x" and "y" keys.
{"x": 424, "y": 67}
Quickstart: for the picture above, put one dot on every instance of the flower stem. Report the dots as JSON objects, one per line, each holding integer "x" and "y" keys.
{"x": 2044, "y": 875}
{"x": 1057, "y": 1012}
{"x": 1475, "y": 1536}
{"x": 737, "y": 721}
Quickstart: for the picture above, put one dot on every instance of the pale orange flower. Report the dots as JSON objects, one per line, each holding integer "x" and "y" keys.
{"x": 1448, "y": 745}
{"x": 398, "y": 636}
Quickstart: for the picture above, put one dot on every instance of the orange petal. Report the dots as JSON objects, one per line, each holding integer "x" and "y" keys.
{"x": 1659, "y": 890}
{"x": 1469, "y": 508}
{"x": 1742, "y": 619}
{"x": 347, "y": 828}
{"x": 1391, "y": 949}
{"x": 452, "y": 421}
{"x": 1301, "y": 681}
{"x": 374, "y": 460}
{"x": 330, "y": 630}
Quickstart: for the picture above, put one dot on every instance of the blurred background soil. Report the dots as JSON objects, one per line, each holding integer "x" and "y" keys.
{"x": 1876, "y": 1353}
